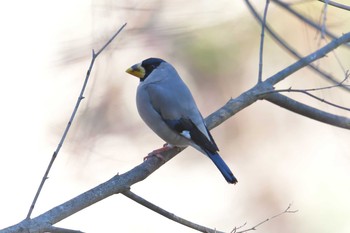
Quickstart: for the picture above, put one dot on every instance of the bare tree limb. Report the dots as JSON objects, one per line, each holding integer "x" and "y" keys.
{"x": 121, "y": 183}
{"x": 257, "y": 92}
{"x": 310, "y": 112}
{"x": 288, "y": 103}
{"x": 306, "y": 92}
{"x": 289, "y": 48}
{"x": 309, "y": 59}
{"x": 336, "y": 4}
{"x": 304, "y": 19}
{"x": 262, "y": 41}
{"x": 116, "y": 184}
{"x": 324, "y": 19}
{"x": 167, "y": 214}
{"x": 286, "y": 211}
{"x": 80, "y": 98}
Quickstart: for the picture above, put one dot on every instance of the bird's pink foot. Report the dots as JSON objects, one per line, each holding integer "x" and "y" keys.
{"x": 158, "y": 152}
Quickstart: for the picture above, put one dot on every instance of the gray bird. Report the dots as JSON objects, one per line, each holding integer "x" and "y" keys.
{"x": 166, "y": 105}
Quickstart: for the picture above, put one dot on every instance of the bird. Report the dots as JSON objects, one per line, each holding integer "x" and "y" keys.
{"x": 167, "y": 106}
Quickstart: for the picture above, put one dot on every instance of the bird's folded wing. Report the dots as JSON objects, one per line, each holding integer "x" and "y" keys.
{"x": 188, "y": 129}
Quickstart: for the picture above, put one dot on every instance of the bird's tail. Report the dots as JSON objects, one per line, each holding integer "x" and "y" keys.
{"x": 224, "y": 169}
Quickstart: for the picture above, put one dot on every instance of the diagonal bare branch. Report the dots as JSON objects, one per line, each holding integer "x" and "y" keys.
{"x": 167, "y": 214}
{"x": 289, "y": 48}
{"x": 336, "y": 4}
{"x": 304, "y": 19}
{"x": 309, "y": 59}
{"x": 310, "y": 112}
{"x": 60, "y": 144}
{"x": 121, "y": 183}
{"x": 253, "y": 228}
{"x": 306, "y": 92}
{"x": 262, "y": 41}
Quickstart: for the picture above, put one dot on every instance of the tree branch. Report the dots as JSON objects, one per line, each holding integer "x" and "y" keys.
{"x": 310, "y": 112}
{"x": 308, "y": 59}
{"x": 80, "y": 98}
{"x": 324, "y": 20}
{"x": 167, "y": 214}
{"x": 263, "y": 24}
{"x": 304, "y": 19}
{"x": 306, "y": 92}
{"x": 121, "y": 183}
{"x": 286, "y": 211}
{"x": 289, "y": 48}
{"x": 338, "y": 5}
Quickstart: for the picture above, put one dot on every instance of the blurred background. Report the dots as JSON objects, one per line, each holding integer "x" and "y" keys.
{"x": 278, "y": 157}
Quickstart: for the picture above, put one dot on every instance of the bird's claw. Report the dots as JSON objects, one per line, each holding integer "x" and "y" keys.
{"x": 158, "y": 152}
{"x": 159, "y": 156}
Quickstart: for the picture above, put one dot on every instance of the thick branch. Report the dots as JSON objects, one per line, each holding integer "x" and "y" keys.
{"x": 121, "y": 183}
{"x": 310, "y": 112}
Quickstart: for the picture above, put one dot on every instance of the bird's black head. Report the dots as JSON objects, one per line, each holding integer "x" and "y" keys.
{"x": 150, "y": 64}
{"x": 145, "y": 68}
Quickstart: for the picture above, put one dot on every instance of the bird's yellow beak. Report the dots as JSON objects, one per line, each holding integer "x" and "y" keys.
{"x": 137, "y": 70}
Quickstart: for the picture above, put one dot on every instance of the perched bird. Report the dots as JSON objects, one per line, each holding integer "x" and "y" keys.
{"x": 166, "y": 105}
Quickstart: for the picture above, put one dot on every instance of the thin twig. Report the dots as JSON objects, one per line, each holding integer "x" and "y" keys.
{"x": 289, "y": 48}
{"x": 307, "y": 92}
{"x": 167, "y": 214}
{"x": 80, "y": 98}
{"x": 304, "y": 19}
{"x": 336, "y": 4}
{"x": 110, "y": 40}
{"x": 308, "y": 111}
{"x": 249, "y": 96}
{"x": 312, "y": 89}
{"x": 324, "y": 20}
{"x": 234, "y": 230}
{"x": 305, "y": 61}
{"x": 262, "y": 42}
{"x": 286, "y": 211}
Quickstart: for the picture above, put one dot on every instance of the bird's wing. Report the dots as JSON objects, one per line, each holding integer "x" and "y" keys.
{"x": 188, "y": 129}
{"x": 180, "y": 113}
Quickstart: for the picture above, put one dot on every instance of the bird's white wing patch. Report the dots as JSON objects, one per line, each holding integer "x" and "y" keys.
{"x": 186, "y": 134}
